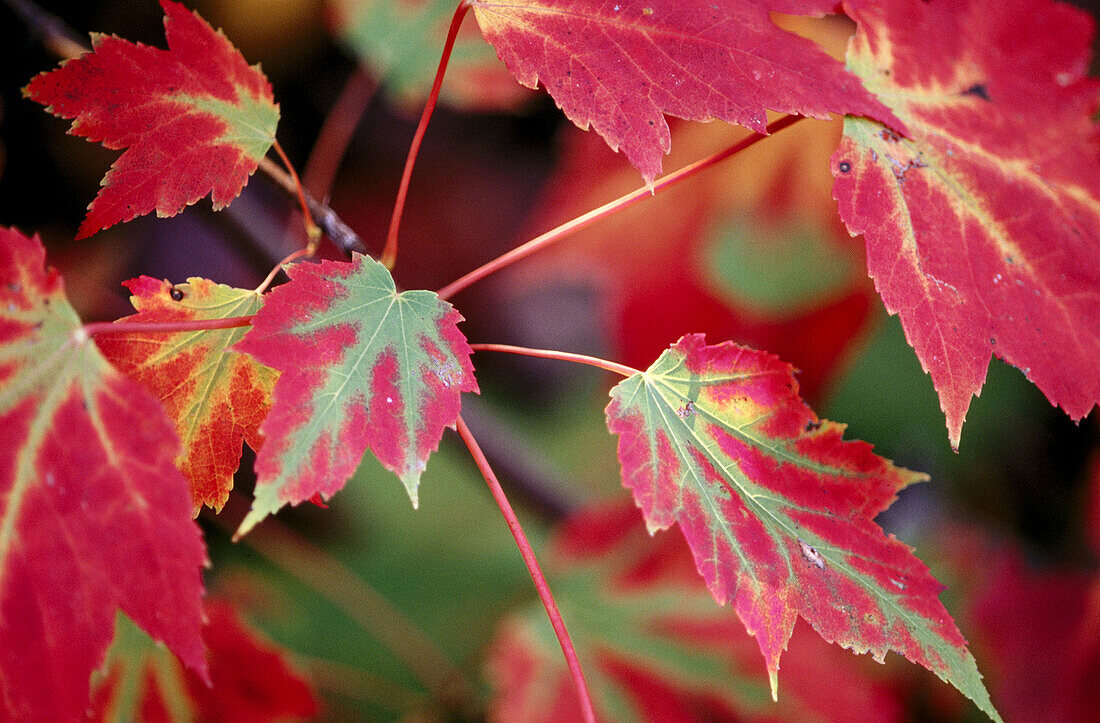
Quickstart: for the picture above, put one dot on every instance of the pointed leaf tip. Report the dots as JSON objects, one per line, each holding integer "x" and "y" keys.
{"x": 362, "y": 366}
{"x": 778, "y": 508}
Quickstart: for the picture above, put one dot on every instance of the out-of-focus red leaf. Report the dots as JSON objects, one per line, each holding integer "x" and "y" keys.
{"x": 361, "y": 366}
{"x": 655, "y": 647}
{"x": 1037, "y": 623}
{"x": 619, "y": 67}
{"x": 195, "y": 119}
{"x": 983, "y": 225}
{"x": 216, "y": 397}
{"x": 94, "y": 514}
{"x": 779, "y": 510}
{"x": 250, "y": 678}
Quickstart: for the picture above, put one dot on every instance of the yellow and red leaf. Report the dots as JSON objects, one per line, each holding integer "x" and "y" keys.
{"x": 778, "y": 508}
{"x": 216, "y": 397}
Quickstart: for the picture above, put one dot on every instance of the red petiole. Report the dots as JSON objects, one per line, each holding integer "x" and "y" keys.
{"x": 389, "y": 253}
{"x": 583, "y": 696}
{"x": 619, "y": 204}
{"x": 559, "y": 355}
{"x": 163, "y": 327}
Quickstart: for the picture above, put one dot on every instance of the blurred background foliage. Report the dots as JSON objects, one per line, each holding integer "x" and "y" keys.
{"x": 427, "y": 614}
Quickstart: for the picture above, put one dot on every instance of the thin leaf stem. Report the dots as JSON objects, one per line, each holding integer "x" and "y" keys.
{"x": 313, "y": 232}
{"x": 583, "y": 696}
{"x": 279, "y": 267}
{"x": 619, "y": 204}
{"x": 163, "y": 327}
{"x": 560, "y": 355}
{"x": 389, "y": 252}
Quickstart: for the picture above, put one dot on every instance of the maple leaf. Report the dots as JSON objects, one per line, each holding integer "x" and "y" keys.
{"x": 361, "y": 366}
{"x": 94, "y": 514}
{"x": 250, "y": 678}
{"x": 778, "y": 509}
{"x": 620, "y": 67}
{"x": 401, "y": 42}
{"x": 216, "y": 397}
{"x": 983, "y": 225}
{"x": 195, "y": 119}
{"x": 652, "y": 643}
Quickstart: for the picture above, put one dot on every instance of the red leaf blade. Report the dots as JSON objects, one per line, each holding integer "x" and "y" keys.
{"x": 94, "y": 515}
{"x": 982, "y": 227}
{"x": 620, "y": 67}
{"x": 778, "y": 509}
{"x": 362, "y": 366}
{"x": 195, "y": 119}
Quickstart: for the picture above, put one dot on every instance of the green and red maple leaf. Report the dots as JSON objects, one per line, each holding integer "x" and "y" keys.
{"x": 194, "y": 119}
{"x": 362, "y": 366}
{"x": 779, "y": 510}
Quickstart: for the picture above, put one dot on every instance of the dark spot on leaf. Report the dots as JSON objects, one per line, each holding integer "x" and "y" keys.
{"x": 845, "y": 167}
{"x": 176, "y": 294}
{"x": 992, "y": 340}
{"x": 812, "y": 426}
{"x": 890, "y": 135}
{"x": 978, "y": 90}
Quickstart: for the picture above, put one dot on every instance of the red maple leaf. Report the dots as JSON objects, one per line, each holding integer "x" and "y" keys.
{"x": 983, "y": 225}
{"x": 94, "y": 514}
{"x": 362, "y": 366}
{"x": 620, "y": 66}
{"x": 779, "y": 510}
{"x": 195, "y": 119}
{"x": 216, "y": 397}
